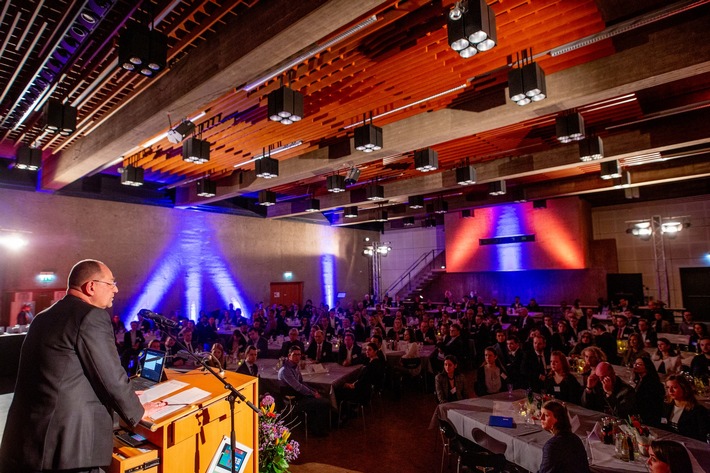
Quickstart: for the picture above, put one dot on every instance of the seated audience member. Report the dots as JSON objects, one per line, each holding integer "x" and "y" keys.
{"x": 606, "y": 393}
{"x": 622, "y": 330}
{"x": 305, "y": 328}
{"x": 533, "y": 306}
{"x": 649, "y": 391}
{"x": 491, "y": 377}
{"x": 261, "y": 344}
{"x": 634, "y": 349}
{"x": 452, "y": 345}
{"x": 377, "y": 340}
{"x": 513, "y": 362}
{"x": 666, "y": 359}
{"x": 585, "y": 340}
{"x": 218, "y": 357}
{"x": 133, "y": 343}
{"x": 173, "y": 359}
{"x": 588, "y": 320}
{"x": 686, "y": 326}
{"x": 562, "y": 339}
{"x": 699, "y": 331}
{"x": 501, "y": 346}
{"x": 371, "y": 377}
{"x": 683, "y": 414}
{"x": 320, "y": 350}
{"x": 560, "y": 382}
{"x": 249, "y": 366}
{"x": 564, "y": 452}
{"x": 606, "y": 343}
{"x": 648, "y": 336}
{"x": 535, "y": 364}
{"x": 524, "y": 324}
{"x": 396, "y": 333}
{"x": 238, "y": 342}
{"x": 450, "y": 384}
{"x": 700, "y": 366}
{"x": 659, "y": 324}
{"x": 309, "y": 400}
{"x": 345, "y": 326}
{"x": 155, "y": 344}
{"x": 293, "y": 340}
{"x": 547, "y": 329}
{"x": 358, "y": 328}
{"x": 667, "y": 456}
{"x": 591, "y": 356}
{"x": 350, "y": 352}
{"x": 424, "y": 334}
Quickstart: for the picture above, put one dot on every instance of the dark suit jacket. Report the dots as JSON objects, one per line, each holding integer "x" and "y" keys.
{"x": 286, "y": 346}
{"x": 356, "y": 358}
{"x": 326, "y": 352}
{"x": 564, "y": 452}
{"x": 532, "y": 369}
{"x": 244, "y": 369}
{"x": 621, "y": 403}
{"x": 694, "y": 423}
{"x": 69, "y": 382}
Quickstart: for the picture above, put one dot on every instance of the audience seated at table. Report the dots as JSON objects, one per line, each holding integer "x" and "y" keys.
{"x": 560, "y": 382}
{"x": 686, "y": 326}
{"x": 450, "y": 384}
{"x": 524, "y": 324}
{"x": 606, "y": 343}
{"x": 238, "y": 341}
{"x": 649, "y": 337}
{"x": 451, "y": 345}
{"x": 371, "y": 377}
{"x": 605, "y": 392}
{"x": 634, "y": 349}
{"x": 513, "y": 362}
{"x": 424, "y": 334}
{"x": 649, "y": 391}
{"x": 218, "y": 357}
{"x": 535, "y": 363}
{"x": 292, "y": 340}
{"x": 562, "y": 339}
{"x": 659, "y": 323}
{"x": 700, "y": 366}
{"x": 666, "y": 359}
{"x": 320, "y": 350}
{"x": 564, "y": 452}
{"x": 307, "y": 399}
{"x": 396, "y": 333}
{"x": 261, "y": 344}
{"x": 501, "y": 346}
{"x": 585, "y": 340}
{"x": 249, "y": 366}
{"x": 377, "y": 340}
{"x": 547, "y": 329}
{"x": 588, "y": 320}
{"x": 133, "y": 343}
{"x": 667, "y": 456}
{"x": 683, "y": 414}
{"x": 699, "y": 331}
{"x": 350, "y": 353}
{"x": 491, "y": 377}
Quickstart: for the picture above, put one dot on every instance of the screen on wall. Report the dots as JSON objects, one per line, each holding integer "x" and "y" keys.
{"x": 516, "y": 237}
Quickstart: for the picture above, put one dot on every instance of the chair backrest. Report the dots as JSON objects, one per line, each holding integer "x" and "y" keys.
{"x": 486, "y": 441}
{"x": 447, "y": 430}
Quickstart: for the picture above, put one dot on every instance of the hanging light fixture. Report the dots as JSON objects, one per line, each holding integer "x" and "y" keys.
{"x": 591, "y": 149}
{"x": 312, "y": 205}
{"x": 382, "y": 215}
{"x": 467, "y": 213}
{"x": 335, "y": 183}
{"x": 350, "y": 212}
{"x": 285, "y": 105}
{"x": 267, "y": 198}
{"x": 527, "y": 83}
{"x": 143, "y": 50}
{"x": 426, "y": 160}
{"x": 408, "y": 221}
{"x": 416, "y": 202}
{"x": 569, "y": 127}
{"x": 58, "y": 118}
{"x": 132, "y": 176}
{"x": 195, "y": 150}
{"x": 466, "y": 175}
{"x": 368, "y": 137}
{"x": 622, "y": 182}
{"x": 206, "y": 188}
{"x": 375, "y": 192}
{"x": 471, "y": 27}
{"x": 352, "y": 176}
{"x": 183, "y": 129}
{"x": 440, "y": 206}
{"x": 28, "y": 158}
{"x": 497, "y": 188}
{"x": 610, "y": 169}
{"x": 267, "y": 167}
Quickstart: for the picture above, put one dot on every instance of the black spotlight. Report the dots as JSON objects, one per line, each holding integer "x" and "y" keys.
{"x": 142, "y": 50}
{"x": 180, "y": 131}
{"x": 59, "y": 118}
{"x": 416, "y": 202}
{"x": 29, "y": 159}
{"x": 267, "y": 167}
{"x": 335, "y": 183}
{"x": 352, "y": 176}
{"x": 368, "y": 138}
{"x": 350, "y": 212}
{"x": 132, "y": 176}
{"x": 206, "y": 188}
{"x": 195, "y": 150}
{"x": 267, "y": 198}
{"x": 527, "y": 84}
{"x": 285, "y": 105}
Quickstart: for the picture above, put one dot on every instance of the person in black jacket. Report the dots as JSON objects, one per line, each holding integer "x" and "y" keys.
{"x": 350, "y": 352}
{"x": 605, "y": 392}
{"x": 452, "y": 345}
{"x": 649, "y": 391}
{"x": 320, "y": 350}
{"x": 372, "y": 376}
{"x": 564, "y": 452}
{"x": 535, "y": 364}
{"x": 684, "y": 415}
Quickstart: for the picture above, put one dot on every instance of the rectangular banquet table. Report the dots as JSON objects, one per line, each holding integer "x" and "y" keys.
{"x": 525, "y": 441}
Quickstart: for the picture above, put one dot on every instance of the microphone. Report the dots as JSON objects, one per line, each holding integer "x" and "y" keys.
{"x": 157, "y": 318}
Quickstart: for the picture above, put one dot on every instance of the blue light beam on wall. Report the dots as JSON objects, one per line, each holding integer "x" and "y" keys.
{"x": 327, "y": 263}
{"x": 509, "y": 222}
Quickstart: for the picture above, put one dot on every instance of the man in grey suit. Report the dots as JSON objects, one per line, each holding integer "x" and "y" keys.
{"x": 69, "y": 382}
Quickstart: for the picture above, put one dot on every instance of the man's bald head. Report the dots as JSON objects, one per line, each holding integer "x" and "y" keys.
{"x": 84, "y": 271}
{"x": 604, "y": 369}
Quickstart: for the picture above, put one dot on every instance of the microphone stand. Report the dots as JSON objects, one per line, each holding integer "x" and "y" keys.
{"x": 233, "y": 397}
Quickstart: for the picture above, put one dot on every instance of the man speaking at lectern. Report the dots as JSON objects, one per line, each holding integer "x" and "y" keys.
{"x": 69, "y": 382}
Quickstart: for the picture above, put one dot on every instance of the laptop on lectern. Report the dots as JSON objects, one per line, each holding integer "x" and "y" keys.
{"x": 152, "y": 364}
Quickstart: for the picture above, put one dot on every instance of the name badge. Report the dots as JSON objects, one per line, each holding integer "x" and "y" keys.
{"x": 503, "y": 376}
{"x": 557, "y": 389}
{"x": 453, "y": 390}
{"x": 664, "y": 420}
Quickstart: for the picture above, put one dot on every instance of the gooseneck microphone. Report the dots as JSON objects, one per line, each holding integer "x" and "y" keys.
{"x": 157, "y": 318}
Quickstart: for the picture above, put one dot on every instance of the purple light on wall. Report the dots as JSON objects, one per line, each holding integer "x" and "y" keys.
{"x": 510, "y": 221}
{"x": 327, "y": 263}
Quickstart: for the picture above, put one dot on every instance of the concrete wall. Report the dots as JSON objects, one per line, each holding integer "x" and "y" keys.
{"x": 407, "y": 246}
{"x": 163, "y": 259}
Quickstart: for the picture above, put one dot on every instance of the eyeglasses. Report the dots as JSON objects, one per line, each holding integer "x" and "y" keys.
{"x": 110, "y": 283}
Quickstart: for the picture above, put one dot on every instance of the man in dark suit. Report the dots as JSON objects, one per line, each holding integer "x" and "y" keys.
{"x": 648, "y": 336}
{"x": 249, "y": 367}
{"x": 350, "y": 352}
{"x": 513, "y": 362}
{"x": 606, "y": 342}
{"x": 292, "y": 341}
{"x": 69, "y": 383}
{"x": 320, "y": 350}
{"x": 261, "y": 344}
{"x": 525, "y": 323}
{"x": 535, "y": 364}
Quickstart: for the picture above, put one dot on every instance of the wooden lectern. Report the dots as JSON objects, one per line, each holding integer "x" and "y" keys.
{"x": 187, "y": 440}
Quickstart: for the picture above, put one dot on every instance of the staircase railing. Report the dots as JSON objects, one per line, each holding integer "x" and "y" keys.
{"x": 424, "y": 262}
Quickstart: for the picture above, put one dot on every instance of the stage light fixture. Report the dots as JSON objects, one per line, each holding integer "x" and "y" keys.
{"x": 497, "y": 188}
{"x": 28, "y": 159}
{"x": 368, "y": 137}
{"x": 180, "y": 131}
{"x": 206, "y": 188}
{"x": 267, "y": 198}
{"x": 527, "y": 84}
{"x": 142, "y": 50}
{"x": 267, "y": 167}
{"x": 375, "y": 192}
{"x": 408, "y": 221}
{"x": 440, "y": 206}
{"x": 195, "y": 150}
{"x": 569, "y": 127}
{"x": 426, "y": 160}
{"x": 382, "y": 216}
{"x": 132, "y": 176}
{"x": 610, "y": 169}
{"x": 467, "y": 213}
{"x": 335, "y": 183}
{"x": 591, "y": 149}
{"x": 312, "y": 205}
{"x": 59, "y": 118}
{"x": 471, "y": 27}
{"x": 285, "y": 105}
{"x": 352, "y": 176}
{"x": 466, "y": 175}
{"x": 622, "y": 182}
{"x": 350, "y": 212}
{"x": 416, "y": 202}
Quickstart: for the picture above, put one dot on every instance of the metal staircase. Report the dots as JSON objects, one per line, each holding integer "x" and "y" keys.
{"x": 419, "y": 275}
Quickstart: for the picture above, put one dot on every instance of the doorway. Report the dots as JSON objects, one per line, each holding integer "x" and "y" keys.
{"x": 695, "y": 286}
{"x": 287, "y": 293}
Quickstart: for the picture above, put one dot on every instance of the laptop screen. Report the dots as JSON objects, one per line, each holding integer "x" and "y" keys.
{"x": 152, "y": 365}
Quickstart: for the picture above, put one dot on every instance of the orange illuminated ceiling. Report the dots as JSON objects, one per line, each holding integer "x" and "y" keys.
{"x": 397, "y": 67}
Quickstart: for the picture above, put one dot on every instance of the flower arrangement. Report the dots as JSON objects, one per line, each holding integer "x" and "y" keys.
{"x": 640, "y": 429}
{"x": 276, "y": 451}
{"x": 641, "y": 434}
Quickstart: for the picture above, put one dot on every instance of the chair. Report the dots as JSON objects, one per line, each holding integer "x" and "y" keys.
{"x": 481, "y": 461}
{"x": 290, "y": 401}
{"x": 414, "y": 370}
{"x": 449, "y": 439}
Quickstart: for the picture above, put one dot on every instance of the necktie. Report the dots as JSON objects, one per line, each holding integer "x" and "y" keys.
{"x": 252, "y": 368}
{"x": 621, "y": 333}
{"x": 542, "y": 362}
{"x": 318, "y": 353}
